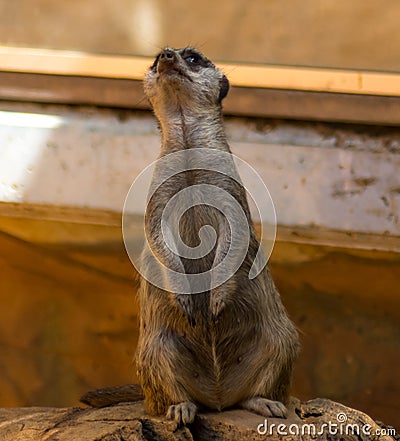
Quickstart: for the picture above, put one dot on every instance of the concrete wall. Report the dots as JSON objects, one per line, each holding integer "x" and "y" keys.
{"x": 320, "y": 177}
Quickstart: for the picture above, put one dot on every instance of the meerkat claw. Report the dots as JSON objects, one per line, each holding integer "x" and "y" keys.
{"x": 183, "y": 413}
{"x": 265, "y": 407}
{"x": 185, "y": 302}
{"x": 216, "y": 305}
{"x": 220, "y": 296}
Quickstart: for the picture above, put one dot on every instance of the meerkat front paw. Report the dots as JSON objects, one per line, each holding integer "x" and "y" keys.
{"x": 183, "y": 413}
{"x": 185, "y": 301}
{"x": 265, "y": 407}
{"x": 217, "y": 304}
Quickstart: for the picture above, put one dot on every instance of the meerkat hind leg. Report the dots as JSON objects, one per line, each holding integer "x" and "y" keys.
{"x": 183, "y": 413}
{"x": 265, "y": 407}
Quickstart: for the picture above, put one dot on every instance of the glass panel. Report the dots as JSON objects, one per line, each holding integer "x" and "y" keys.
{"x": 357, "y": 34}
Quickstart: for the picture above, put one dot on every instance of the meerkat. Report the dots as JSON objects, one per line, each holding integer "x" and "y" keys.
{"x": 230, "y": 345}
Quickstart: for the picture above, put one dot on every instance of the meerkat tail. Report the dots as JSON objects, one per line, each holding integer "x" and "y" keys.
{"x": 113, "y": 395}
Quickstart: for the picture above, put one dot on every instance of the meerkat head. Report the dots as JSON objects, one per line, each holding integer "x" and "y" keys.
{"x": 184, "y": 78}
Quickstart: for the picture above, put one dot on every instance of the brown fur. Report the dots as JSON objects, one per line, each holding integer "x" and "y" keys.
{"x": 229, "y": 346}
{"x": 232, "y": 345}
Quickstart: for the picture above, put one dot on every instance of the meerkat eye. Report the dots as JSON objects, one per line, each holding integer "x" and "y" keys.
{"x": 193, "y": 59}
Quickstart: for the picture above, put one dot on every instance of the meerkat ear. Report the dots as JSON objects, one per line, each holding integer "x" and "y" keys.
{"x": 224, "y": 88}
{"x": 154, "y": 65}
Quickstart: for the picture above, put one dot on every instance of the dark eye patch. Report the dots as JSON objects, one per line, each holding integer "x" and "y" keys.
{"x": 194, "y": 58}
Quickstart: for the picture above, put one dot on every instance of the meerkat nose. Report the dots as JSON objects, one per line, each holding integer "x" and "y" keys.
{"x": 167, "y": 61}
{"x": 167, "y": 54}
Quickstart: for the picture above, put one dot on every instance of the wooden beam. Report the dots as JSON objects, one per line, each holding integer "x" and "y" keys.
{"x": 317, "y": 106}
{"x": 265, "y": 91}
{"x": 244, "y": 101}
{"x": 59, "y": 62}
{"x": 72, "y": 90}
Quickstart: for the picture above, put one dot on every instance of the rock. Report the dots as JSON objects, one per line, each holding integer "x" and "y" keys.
{"x": 318, "y": 419}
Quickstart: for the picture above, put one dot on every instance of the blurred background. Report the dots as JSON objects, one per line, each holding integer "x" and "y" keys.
{"x": 361, "y": 34}
{"x": 71, "y": 144}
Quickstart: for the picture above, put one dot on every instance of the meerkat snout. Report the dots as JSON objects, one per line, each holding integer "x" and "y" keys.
{"x": 167, "y": 61}
{"x": 167, "y": 54}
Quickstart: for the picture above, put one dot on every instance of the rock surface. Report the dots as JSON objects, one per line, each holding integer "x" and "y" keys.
{"x": 318, "y": 419}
